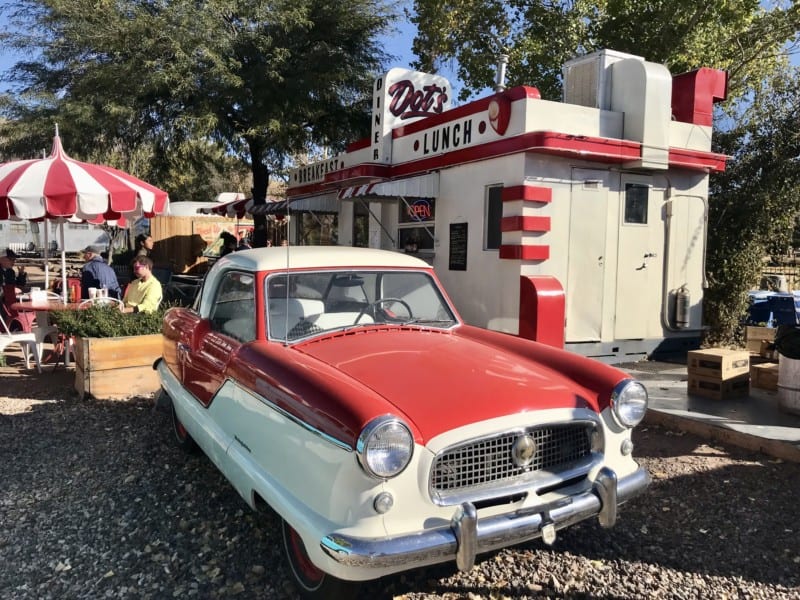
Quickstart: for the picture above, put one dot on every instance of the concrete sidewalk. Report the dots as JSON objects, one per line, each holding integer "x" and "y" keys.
{"x": 755, "y": 422}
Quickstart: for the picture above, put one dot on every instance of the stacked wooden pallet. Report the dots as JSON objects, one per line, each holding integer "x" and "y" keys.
{"x": 719, "y": 373}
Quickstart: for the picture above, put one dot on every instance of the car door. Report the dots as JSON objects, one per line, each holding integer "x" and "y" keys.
{"x": 231, "y": 322}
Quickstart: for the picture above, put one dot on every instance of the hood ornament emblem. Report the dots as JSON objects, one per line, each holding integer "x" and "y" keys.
{"x": 523, "y": 451}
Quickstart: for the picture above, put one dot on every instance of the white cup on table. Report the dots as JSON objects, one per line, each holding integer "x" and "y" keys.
{"x": 92, "y": 293}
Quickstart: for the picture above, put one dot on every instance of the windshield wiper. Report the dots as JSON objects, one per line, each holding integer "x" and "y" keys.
{"x": 422, "y": 321}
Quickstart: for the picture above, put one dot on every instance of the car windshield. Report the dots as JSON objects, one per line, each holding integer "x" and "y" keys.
{"x": 310, "y": 303}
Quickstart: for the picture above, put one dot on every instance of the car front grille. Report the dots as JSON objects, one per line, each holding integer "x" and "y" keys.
{"x": 490, "y": 461}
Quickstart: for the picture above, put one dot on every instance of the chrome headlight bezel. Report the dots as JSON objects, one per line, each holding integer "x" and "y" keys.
{"x": 629, "y": 403}
{"x": 376, "y": 459}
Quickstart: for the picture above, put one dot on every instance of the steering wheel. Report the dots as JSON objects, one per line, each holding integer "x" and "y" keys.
{"x": 377, "y": 303}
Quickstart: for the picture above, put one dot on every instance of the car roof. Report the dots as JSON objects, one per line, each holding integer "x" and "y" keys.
{"x": 304, "y": 257}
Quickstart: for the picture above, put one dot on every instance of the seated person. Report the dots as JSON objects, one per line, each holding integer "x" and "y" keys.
{"x": 18, "y": 279}
{"x": 97, "y": 273}
{"x": 11, "y": 285}
{"x": 144, "y": 293}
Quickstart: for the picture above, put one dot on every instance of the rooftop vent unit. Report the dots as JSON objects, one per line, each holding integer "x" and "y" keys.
{"x": 587, "y": 79}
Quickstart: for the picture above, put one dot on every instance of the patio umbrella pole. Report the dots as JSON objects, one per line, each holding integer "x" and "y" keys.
{"x": 64, "y": 290}
{"x": 46, "y": 255}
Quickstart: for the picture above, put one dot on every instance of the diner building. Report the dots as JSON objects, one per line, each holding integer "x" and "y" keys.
{"x": 580, "y": 223}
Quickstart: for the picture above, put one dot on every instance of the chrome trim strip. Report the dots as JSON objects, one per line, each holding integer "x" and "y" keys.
{"x": 442, "y": 544}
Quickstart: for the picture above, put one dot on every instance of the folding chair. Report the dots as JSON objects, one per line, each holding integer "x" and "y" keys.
{"x": 26, "y": 339}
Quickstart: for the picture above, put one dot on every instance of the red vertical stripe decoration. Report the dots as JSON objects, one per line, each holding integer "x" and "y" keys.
{"x": 528, "y": 194}
{"x": 530, "y": 224}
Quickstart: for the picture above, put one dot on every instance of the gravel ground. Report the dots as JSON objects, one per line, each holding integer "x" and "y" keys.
{"x": 97, "y": 502}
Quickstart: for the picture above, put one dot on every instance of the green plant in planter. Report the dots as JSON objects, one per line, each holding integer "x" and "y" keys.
{"x": 102, "y": 321}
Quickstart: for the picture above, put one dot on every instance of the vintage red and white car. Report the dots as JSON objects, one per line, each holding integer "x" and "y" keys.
{"x": 340, "y": 387}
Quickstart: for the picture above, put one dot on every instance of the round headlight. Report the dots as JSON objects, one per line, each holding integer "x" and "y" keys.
{"x": 385, "y": 447}
{"x": 629, "y": 402}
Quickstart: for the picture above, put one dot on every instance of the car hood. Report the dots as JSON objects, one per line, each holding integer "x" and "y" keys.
{"x": 440, "y": 380}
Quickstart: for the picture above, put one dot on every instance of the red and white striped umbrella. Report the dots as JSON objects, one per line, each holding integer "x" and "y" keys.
{"x": 63, "y": 189}
{"x": 59, "y": 187}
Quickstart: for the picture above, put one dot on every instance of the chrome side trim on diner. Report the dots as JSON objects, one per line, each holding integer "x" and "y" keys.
{"x": 449, "y": 542}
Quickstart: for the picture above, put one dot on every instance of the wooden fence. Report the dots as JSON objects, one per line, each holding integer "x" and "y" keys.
{"x": 180, "y": 241}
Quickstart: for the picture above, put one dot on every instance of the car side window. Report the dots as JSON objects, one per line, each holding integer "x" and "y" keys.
{"x": 234, "y": 308}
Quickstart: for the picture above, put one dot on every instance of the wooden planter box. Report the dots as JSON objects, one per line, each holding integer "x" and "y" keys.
{"x": 113, "y": 368}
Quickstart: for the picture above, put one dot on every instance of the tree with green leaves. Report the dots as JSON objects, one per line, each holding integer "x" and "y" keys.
{"x": 745, "y": 37}
{"x": 170, "y": 85}
{"x": 755, "y": 202}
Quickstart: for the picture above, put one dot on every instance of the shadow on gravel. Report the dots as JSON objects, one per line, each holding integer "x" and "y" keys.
{"x": 96, "y": 501}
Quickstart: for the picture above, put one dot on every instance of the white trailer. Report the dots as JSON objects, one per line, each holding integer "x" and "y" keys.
{"x": 28, "y": 237}
{"x": 579, "y": 223}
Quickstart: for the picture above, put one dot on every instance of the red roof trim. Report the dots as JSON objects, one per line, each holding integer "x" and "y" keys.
{"x": 603, "y": 150}
{"x": 697, "y": 160}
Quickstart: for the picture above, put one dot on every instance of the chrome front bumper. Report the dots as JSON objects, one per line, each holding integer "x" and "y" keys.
{"x": 467, "y": 536}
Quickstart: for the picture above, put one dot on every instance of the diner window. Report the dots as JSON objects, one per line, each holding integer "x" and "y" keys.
{"x": 235, "y": 307}
{"x": 493, "y": 215}
{"x": 636, "y": 196}
{"x": 416, "y": 225}
{"x": 18, "y": 228}
{"x": 318, "y": 229}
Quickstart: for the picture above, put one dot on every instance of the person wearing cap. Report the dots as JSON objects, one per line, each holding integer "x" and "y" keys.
{"x": 98, "y": 274}
{"x": 9, "y": 277}
{"x": 144, "y": 293}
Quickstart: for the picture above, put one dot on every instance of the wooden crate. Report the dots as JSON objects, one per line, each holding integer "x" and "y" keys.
{"x": 755, "y": 335}
{"x": 112, "y": 368}
{"x": 719, "y": 389}
{"x": 764, "y": 376}
{"x": 719, "y": 363}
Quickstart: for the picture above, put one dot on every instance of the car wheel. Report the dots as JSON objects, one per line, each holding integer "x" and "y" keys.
{"x": 311, "y": 581}
{"x": 185, "y": 441}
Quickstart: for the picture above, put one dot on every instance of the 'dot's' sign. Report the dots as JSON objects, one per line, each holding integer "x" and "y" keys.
{"x": 401, "y": 96}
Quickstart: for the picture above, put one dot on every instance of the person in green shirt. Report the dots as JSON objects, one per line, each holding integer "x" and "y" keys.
{"x": 144, "y": 293}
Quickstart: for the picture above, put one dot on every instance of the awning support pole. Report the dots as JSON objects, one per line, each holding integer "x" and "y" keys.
{"x": 378, "y": 221}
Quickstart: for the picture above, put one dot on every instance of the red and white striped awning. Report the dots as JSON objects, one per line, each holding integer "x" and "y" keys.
{"x": 423, "y": 186}
{"x": 246, "y": 206}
